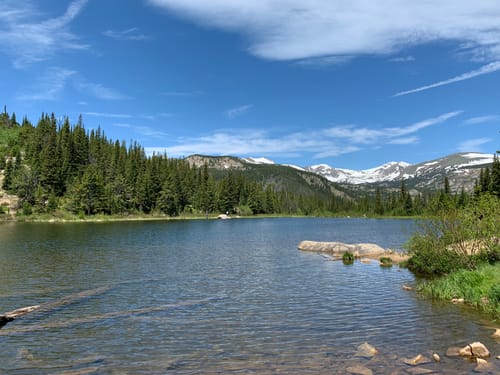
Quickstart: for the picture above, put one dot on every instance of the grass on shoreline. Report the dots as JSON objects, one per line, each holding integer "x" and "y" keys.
{"x": 65, "y": 216}
{"x": 479, "y": 288}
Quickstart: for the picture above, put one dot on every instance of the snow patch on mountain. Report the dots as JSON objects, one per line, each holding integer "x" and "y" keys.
{"x": 258, "y": 160}
{"x": 387, "y": 172}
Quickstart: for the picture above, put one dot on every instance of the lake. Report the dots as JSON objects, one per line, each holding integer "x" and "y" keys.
{"x": 207, "y": 296}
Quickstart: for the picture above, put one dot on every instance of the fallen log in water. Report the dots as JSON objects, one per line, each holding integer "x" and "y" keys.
{"x": 111, "y": 315}
{"x": 12, "y": 315}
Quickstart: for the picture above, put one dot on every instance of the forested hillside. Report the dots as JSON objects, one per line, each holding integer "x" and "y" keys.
{"x": 58, "y": 168}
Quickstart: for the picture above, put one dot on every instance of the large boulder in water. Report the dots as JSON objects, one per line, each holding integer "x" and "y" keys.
{"x": 339, "y": 248}
{"x": 476, "y": 350}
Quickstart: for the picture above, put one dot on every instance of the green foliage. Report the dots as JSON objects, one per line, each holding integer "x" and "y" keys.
{"x": 494, "y": 294}
{"x": 385, "y": 262}
{"x": 457, "y": 238}
{"x": 479, "y": 288}
{"x": 348, "y": 258}
{"x": 27, "y": 209}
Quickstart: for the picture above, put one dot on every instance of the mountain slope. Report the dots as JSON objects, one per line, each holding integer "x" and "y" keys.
{"x": 282, "y": 177}
{"x": 462, "y": 170}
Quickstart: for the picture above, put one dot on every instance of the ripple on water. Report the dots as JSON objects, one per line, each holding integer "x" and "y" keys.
{"x": 212, "y": 297}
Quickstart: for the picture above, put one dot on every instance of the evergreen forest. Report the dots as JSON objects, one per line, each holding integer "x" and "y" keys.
{"x": 59, "y": 168}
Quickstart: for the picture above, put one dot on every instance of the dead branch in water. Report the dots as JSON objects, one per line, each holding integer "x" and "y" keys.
{"x": 97, "y": 317}
{"x": 15, "y": 314}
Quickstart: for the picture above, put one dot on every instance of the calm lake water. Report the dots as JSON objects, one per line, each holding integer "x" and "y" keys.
{"x": 232, "y": 296}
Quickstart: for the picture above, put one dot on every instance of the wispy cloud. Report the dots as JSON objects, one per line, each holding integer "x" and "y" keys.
{"x": 133, "y": 34}
{"x": 52, "y": 83}
{"x": 29, "y": 37}
{"x": 486, "y": 69}
{"x": 327, "y": 142}
{"x": 326, "y": 61}
{"x": 145, "y": 131}
{"x": 108, "y": 115}
{"x": 392, "y": 135}
{"x": 482, "y": 119}
{"x": 48, "y": 86}
{"x": 238, "y": 111}
{"x": 402, "y": 59}
{"x": 473, "y": 144}
{"x": 98, "y": 90}
{"x": 298, "y": 30}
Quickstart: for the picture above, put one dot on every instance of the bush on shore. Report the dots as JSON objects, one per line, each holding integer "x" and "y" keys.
{"x": 457, "y": 239}
{"x": 460, "y": 251}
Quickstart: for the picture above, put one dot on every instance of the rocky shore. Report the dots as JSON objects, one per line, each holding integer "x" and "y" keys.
{"x": 359, "y": 250}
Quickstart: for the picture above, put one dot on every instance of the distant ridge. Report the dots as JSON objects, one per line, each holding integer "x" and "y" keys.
{"x": 462, "y": 169}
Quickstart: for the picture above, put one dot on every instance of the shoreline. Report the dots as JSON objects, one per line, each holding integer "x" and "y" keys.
{"x": 69, "y": 218}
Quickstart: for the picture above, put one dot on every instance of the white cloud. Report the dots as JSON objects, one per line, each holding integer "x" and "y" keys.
{"x": 482, "y": 119}
{"x": 392, "y": 135}
{"x": 238, "y": 111}
{"x": 486, "y": 69}
{"x": 108, "y": 115}
{"x": 51, "y": 84}
{"x": 297, "y": 29}
{"x": 473, "y": 144}
{"x": 48, "y": 86}
{"x": 328, "y": 142}
{"x": 402, "y": 59}
{"x": 128, "y": 34}
{"x": 98, "y": 90}
{"x": 145, "y": 131}
{"x": 27, "y": 36}
{"x": 404, "y": 141}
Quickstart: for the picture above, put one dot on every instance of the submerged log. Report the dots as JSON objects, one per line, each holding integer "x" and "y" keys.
{"x": 15, "y": 314}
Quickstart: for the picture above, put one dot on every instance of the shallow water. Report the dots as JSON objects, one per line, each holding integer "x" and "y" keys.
{"x": 232, "y": 296}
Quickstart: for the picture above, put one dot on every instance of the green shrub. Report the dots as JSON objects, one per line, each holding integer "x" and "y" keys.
{"x": 348, "y": 258}
{"x": 385, "y": 262}
{"x": 27, "y": 209}
{"x": 494, "y": 295}
{"x": 457, "y": 239}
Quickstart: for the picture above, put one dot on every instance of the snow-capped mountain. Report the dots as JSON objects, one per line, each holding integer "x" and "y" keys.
{"x": 461, "y": 169}
{"x": 387, "y": 172}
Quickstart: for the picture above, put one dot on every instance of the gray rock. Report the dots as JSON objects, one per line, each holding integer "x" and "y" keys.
{"x": 366, "y": 350}
{"x": 418, "y": 360}
{"x": 359, "y": 370}
{"x": 476, "y": 350}
{"x": 338, "y": 248}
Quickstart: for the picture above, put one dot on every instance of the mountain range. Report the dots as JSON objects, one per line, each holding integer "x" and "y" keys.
{"x": 461, "y": 169}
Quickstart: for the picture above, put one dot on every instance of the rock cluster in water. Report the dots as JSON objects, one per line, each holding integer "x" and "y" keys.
{"x": 476, "y": 352}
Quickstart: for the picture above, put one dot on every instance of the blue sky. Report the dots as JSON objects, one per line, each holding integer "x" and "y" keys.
{"x": 353, "y": 84}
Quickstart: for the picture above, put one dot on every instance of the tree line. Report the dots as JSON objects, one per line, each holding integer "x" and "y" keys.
{"x": 59, "y": 166}
{"x": 55, "y": 165}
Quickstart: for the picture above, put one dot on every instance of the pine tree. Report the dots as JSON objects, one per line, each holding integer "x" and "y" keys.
{"x": 8, "y": 176}
{"x": 447, "y": 189}
{"x": 495, "y": 177}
